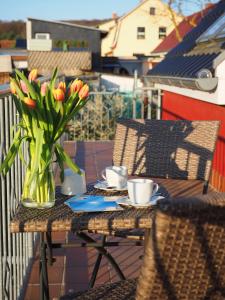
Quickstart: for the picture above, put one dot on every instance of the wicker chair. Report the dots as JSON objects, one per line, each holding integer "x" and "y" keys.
{"x": 184, "y": 254}
{"x": 178, "y": 149}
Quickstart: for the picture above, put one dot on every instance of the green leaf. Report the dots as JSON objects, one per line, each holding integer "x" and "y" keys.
{"x": 35, "y": 152}
{"x": 10, "y": 157}
{"x": 61, "y": 164}
{"x": 67, "y": 159}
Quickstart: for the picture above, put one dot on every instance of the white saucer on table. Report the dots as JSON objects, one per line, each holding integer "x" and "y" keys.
{"x": 126, "y": 201}
{"x": 103, "y": 185}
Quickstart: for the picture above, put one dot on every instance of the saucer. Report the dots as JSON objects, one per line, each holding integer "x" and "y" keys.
{"x": 126, "y": 201}
{"x": 103, "y": 185}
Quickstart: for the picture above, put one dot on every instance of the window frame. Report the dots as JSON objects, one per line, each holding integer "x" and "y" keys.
{"x": 46, "y": 34}
{"x": 140, "y": 33}
{"x": 152, "y": 11}
{"x": 162, "y": 34}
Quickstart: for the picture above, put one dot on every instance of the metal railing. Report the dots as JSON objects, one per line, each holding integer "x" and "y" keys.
{"x": 97, "y": 119}
{"x": 16, "y": 251}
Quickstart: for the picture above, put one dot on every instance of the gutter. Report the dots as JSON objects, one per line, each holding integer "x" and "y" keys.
{"x": 201, "y": 84}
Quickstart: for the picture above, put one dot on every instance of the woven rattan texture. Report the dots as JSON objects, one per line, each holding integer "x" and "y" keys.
{"x": 173, "y": 149}
{"x": 119, "y": 290}
{"x": 185, "y": 256}
{"x": 62, "y": 218}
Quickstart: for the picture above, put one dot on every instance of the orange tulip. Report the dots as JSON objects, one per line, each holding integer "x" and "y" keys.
{"x": 44, "y": 87}
{"x": 13, "y": 87}
{"x": 29, "y": 102}
{"x": 76, "y": 85}
{"x": 84, "y": 92}
{"x": 23, "y": 87}
{"x": 33, "y": 75}
{"x": 62, "y": 86}
{"x": 59, "y": 95}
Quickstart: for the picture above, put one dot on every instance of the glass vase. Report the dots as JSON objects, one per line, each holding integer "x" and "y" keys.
{"x": 39, "y": 188}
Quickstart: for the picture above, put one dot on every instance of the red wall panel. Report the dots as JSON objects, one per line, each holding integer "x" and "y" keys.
{"x": 176, "y": 106}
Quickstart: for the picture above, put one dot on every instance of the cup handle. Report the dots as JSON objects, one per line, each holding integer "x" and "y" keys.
{"x": 103, "y": 174}
{"x": 155, "y": 189}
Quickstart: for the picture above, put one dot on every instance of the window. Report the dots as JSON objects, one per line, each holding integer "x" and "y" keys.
{"x": 152, "y": 11}
{"x": 215, "y": 31}
{"x": 42, "y": 36}
{"x": 162, "y": 32}
{"x": 141, "y": 33}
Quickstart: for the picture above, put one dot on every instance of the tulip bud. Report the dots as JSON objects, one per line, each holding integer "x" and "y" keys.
{"x": 59, "y": 95}
{"x": 29, "y": 102}
{"x": 13, "y": 87}
{"x": 33, "y": 75}
{"x": 44, "y": 87}
{"x": 76, "y": 85}
{"x": 84, "y": 92}
{"x": 23, "y": 87}
{"x": 62, "y": 86}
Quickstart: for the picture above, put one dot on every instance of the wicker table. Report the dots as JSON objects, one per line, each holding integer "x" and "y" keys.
{"x": 61, "y": 218}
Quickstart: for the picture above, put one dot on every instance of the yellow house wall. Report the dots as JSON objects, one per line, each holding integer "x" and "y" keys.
{"x": 127, "y": 42}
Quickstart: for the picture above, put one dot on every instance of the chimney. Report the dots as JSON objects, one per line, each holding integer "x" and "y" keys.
{"x": 114, "y": 16}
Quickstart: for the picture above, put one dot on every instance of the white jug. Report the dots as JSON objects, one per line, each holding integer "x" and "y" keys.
{"x": 73, "y": 184}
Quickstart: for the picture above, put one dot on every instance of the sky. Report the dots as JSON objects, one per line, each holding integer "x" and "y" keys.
{"x": 70, "y": 9}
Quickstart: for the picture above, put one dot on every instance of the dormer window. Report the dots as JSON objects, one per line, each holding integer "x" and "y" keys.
{"x": 152, "y": 11}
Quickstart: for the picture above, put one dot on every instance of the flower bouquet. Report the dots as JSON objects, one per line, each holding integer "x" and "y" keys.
{"x": 44, "y": 110}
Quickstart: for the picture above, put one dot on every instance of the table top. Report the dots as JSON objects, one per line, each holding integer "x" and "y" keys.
{"x": 62, "y": 218}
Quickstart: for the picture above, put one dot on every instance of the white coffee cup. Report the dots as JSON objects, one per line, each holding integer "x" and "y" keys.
{"x": 73, "y": 184}
{"x": 141, "y": 190}
{"x": 116, "y": 176}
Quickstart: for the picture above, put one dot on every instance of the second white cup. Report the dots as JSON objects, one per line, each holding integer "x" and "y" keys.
{"x": 116, "y": 176}
{"x": 141, "y": 190}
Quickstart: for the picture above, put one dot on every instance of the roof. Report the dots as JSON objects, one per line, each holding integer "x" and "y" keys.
{"x": 90, "y": 23}
{"x": 67, "y": 24}
{"x": 184, "y": 27}
{"x": 188, "y": 57}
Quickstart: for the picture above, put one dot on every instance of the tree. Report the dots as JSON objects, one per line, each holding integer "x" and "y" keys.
{"x": 183, "y": 8}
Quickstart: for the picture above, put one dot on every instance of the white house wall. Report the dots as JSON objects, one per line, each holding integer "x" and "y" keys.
{"x": 127, "y": 43}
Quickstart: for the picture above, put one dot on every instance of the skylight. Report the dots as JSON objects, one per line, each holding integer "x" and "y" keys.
{"x": 215, "y": 31}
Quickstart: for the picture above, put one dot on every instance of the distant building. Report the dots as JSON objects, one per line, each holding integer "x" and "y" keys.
{"x": 175, "y": 37}
{"x": 139, "y": 31}
{"x": 132, "y": 37}
{"x": 192, "y": 79}
{"x": 52, "y": 36}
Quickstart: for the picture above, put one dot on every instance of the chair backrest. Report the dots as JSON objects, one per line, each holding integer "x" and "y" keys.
{"x": 170, "y": 149}
{"x": 185, "y": 251}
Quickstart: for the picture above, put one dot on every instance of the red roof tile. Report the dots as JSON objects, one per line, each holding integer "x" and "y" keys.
{"x": 184, "y": 27}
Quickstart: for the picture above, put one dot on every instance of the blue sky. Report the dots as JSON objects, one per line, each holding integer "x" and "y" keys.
{"x": 69, "y": 9}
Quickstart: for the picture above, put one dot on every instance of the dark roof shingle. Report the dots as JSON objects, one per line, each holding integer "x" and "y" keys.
{"x": 178, "y": 62}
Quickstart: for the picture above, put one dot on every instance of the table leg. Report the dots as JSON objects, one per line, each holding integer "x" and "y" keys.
{"x": 96, "y": 266}
{"x": 43, "y": 272}
{"x": 104, "y": 252}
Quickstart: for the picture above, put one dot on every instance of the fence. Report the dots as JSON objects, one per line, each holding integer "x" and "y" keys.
{"x": 16, "y": 250}
{"x": 97, "y": 120}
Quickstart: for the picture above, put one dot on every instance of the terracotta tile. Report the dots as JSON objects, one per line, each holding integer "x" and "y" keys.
{"x": 126, "y": 255}
{"x": 55, "y": 275}
{"x": 131, "y": 271}
{"x": 83, "y": 274}
{"x": 59, "y": 237}
{"x": 72, "y": 288}
{"x": 33, "y": 292}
